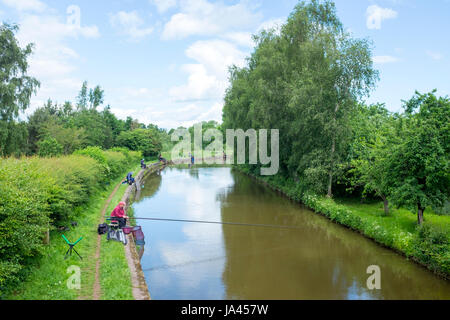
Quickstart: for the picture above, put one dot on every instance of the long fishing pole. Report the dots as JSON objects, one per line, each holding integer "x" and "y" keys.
{"x": 219, "y": 222}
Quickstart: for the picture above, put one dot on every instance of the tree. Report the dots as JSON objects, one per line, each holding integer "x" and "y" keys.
{"x": 145, "y": 140}
{"x": 96, "y": 97}
{"x": 305, "y": 80}
{"x": 419, "y": 166}
{"x": 49, "y": 147}
{"x": 69, "y": 139}
{"x": 82, "y": 98}
{"x": 16, "y": 87}
{"x": 374, "y": 136}
{"x": 116, "y": 125}
{"x": 36, "y": 122}
{"x": 98, "y": 132}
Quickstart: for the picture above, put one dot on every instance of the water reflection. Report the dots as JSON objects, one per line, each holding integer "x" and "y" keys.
{"x": 320, "y": 260}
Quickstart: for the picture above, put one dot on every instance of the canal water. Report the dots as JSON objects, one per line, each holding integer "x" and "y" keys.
{"x": 317, "y": 260}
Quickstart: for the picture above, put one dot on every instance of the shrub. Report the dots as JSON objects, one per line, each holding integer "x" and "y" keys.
{"x": 145, "y": 140}
{"x": 98, "y": 155}
{"x": 432, "y": 246}
{"x": 49, "y": 148}
{"x": 117, "y": 162}
{"x": 24, "y": 215}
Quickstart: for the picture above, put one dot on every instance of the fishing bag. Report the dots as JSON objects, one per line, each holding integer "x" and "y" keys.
{"x": 102, "y": 228}
{"x": 138, "y": 235}
{"x": 117, "y": 235}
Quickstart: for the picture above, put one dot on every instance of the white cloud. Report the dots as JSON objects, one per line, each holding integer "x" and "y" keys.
{"x": 25, "y": 5}
{"x": 164, "y": 5}
{"x": 200, "y": 17}
{"x": 200, "y": 85}
{"x": 241, "y": 38}
{"x": 214, "y": 113}
{"x": 130, "y": 23}
{"x": 434, "y": 55}
{"x": 272, "y": 24}
{"x": 384, "y": 59}
{"x": 375, "y": 15}
{"x": 53, "y": 61}
{"x": 208, "y": 78}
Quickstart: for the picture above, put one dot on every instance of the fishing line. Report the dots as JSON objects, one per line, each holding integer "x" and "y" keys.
{"x": 220, "y": 222}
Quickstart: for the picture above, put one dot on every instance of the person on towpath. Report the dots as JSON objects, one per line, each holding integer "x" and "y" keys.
{"x": 119, "y": 213}
{"x": 129, "y": 179}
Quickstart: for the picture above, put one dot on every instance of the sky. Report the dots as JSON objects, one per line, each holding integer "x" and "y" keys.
{"x": 166, "y": 61}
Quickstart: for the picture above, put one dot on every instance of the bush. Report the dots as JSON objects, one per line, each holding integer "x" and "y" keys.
{"x": 49, "y": 148}
{"x": 24, "y": 215}
{"x": 98, "y": 155}
{"x": 144, "y": 140}
{"x": 117, "y": 162}
{"x": 432, "y": 246}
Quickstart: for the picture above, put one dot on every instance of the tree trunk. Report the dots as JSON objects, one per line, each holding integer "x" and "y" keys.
{"x": 46, "y": 239}
{"x": 420, "y": 211}
{"x": 333, "y": 149}
{"x": 386, "y": 205}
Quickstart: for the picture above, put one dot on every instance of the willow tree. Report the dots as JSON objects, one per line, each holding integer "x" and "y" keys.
{"x": 16, "y": 87}
{"x": 303, "y": 79}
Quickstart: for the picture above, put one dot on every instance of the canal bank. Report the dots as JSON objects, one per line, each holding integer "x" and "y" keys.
{"x": 428, "y": 246}
{"x": 140, "y": 289}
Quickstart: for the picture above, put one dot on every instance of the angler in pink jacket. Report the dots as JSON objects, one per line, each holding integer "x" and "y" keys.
{"x": 119, "y": 213}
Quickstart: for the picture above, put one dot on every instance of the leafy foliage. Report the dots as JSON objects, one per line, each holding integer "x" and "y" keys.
{"x": 144, "y": 140}
{"x": 16, "y": 87}
{"x": 304, "y": 81}
{"x": 49, "y": 148}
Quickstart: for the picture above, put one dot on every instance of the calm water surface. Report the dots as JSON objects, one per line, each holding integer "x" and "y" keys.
{"x": 319, "y": 260}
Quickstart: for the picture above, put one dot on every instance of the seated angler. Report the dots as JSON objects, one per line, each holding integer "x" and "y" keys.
{"x": 119, "y": 213}
{"x": 129, "y": 179}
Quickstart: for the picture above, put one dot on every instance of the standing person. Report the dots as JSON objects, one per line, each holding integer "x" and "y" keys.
{"x": 192, "y": 159}
{"x": 119, "y": 213}
{"x": 143, "y": 165}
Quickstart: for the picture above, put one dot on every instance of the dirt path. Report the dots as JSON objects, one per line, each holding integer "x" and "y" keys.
{"x": 97, "y": 288}
{"x": 139, "y": 287}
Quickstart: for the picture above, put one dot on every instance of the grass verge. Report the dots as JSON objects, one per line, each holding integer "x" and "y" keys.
{"x": 115, "y": 277}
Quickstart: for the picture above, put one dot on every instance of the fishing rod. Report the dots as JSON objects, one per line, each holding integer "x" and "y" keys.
{"x": 218, "y": 222}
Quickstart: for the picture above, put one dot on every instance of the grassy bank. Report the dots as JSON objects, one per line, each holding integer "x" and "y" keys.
{"x": 115, "y": 277}
{"x": 428, "y": 245}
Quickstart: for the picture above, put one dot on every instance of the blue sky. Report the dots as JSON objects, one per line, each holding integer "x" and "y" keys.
{"x": 165, "y": 61}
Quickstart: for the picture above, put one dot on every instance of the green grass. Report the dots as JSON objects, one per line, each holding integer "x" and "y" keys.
{"x": 115, "y": 277}
{"x": 401, "y": 218}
